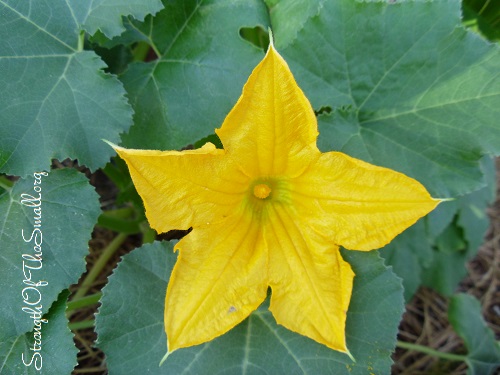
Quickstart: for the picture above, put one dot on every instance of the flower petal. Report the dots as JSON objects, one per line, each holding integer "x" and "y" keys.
{"x": 187, "y": 188}
{"x": 311, "y": 283}
{"x": 358, "y": 205}
{"x": 272, "y": 123}
{"x": 220, "y": 277}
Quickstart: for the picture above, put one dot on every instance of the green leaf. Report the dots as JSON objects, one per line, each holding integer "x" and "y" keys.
{"x": 117, "y": 172}
{"x": 410, "y": 89}
{"x": 407, "y": 254}
{"x": 461, "y": 238}
{"x": 131, "y": 333}
{"x": 202, "y": 66}
{"x": 434, "y": 251}
{"x": 483, "y": 16}
{"x": 127, "y": 314}
{"x": 48, "y": 348}
{"x": 464, "y": 313}
{"x": 50, "y": 237}
{"x": 116, "y": 58}
{"x": 282, "y": 12}
{"x": 448, "y": 261}
{"x": 106, "y": 15}
{"x": 473, "y": 218}
{"x": 442, "y": 216}
{"x": 56, "y": 102}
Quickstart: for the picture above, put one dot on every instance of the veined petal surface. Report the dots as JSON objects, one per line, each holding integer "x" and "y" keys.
{"x": 269, "y": 210}
{"x": 272, "y": 126}
{"x": 183, "y": 189}
{"x": 311, "y": 283}
{"x": 220, "y": 277}
{"x": 358, "y": 205}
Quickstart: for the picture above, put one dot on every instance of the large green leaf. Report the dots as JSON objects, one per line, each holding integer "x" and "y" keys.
{"x": 48, "y": 349}
{"x": 408, "y": 253}
{"x": 409, "y": 88}
{"x": 454, "y": 246}
{"x": 282, "y": 12}
{"x": 130, "y": 326}
{"x": 202, "y": 65}
{"x": 449, "y": 255}
{"x": 55, "y": 100}
{"x": 473, "y": 218}
{"x": 106, "y": 15}
{"x": 465, "y": 316}
{"x": 434, "y": 251}
{"x": 58, "y": 234}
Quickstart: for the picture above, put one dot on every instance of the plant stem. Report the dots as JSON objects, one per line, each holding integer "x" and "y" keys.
{"x": 5, "y": 183}
{"x": 148, "y": 234}
{"x": 83, "y": 302}
{"x": 100, "y": 264}
{"x": 430, "y": 351}
{"x": 483, "y": 8}
{"x": 81, "y": 41}
{"x": 81, "y": 325}
{"x": 121, "y": 213}
{"x": 141, "y": 51}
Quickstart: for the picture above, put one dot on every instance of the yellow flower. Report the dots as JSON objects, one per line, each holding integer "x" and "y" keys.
{"x": 268, "y": 210}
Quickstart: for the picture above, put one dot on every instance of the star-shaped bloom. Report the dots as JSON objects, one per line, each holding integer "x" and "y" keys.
{"x": 268, "y": 210}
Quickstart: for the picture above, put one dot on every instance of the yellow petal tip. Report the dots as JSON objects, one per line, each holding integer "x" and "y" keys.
{"x": 167, "y": 354}
{"x": 444, "y": 199}
{"x": 115, "y": 147}
{"x": 350, "y": 356}
{"x": 271, "y": 37}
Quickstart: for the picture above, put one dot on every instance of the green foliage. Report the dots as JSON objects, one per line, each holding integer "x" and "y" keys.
{"x": 483, "y": 355}
{"x": 202, "y": 65}
{"x": 106, "y": 15}
{"x": 52, "y": 241}
{"x": 405, "y": 82}
{"x": 56, "y": 101}
{"x": 483, "y": 16}
{"x": 398, "y": 83}
{"x": 128, "y": 315}
{"x": 409, "y": 254}
{"x": 434, "y": 251}
{"x": 55, "y": 355}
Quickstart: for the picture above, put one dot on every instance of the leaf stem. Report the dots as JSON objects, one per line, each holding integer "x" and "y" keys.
{"x": 141, "y": 51}
{"x": 81, "y": 41}
{"x": 430, "y": 351}
{"x": 5, "y": 183}
{"x": 76, "y": 304}
{"x": 81, "y": 325}
{"x": 118, "y": 221}
{"x": 121, "y": 213}
{"x": 100, "y": 264}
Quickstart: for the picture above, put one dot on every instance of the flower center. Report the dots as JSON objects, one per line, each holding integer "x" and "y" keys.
{"x": 261, "y": 191}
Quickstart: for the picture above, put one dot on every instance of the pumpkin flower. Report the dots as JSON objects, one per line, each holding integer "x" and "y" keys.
{"x": 268, "y": 210}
